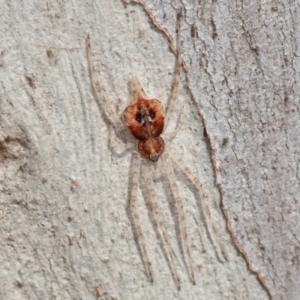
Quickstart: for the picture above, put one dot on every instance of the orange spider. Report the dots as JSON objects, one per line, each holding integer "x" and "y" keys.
{"x": 146, "y": 120}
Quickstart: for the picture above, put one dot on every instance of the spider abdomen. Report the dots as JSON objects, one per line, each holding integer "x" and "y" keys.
{"x": 152, "y": 148}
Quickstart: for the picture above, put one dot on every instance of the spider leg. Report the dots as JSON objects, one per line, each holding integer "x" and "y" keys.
{"x": 97, "y": 88}
{"x": 174, "y": 92}
{"x": 137, "y": 90}
{"x": 169, "y": 136}
{"x": 209, "y": 220}
{"x": 168, "y": 169}
{"x": 135, "y": 173}
{"x": 159, "y": 220}
{"x": 115, "y": 143}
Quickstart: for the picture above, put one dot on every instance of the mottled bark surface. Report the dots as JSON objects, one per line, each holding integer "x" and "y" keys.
{"x": 66, "y": 228}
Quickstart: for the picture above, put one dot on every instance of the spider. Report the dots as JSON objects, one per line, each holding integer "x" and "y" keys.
{"x": 145, "y": 118}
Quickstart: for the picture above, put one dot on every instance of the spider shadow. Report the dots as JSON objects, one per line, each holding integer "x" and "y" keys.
{"x": 146, "y": 196}
{"x": 95, "y": 96}
{"x": 120, "y": 131}
{"x": 125, "y": 150}
{"x": 175, "y": 216}
{"x": 130, "y": 216}
{"x": 191, "y": 186}
{"x": 150, "y": 212}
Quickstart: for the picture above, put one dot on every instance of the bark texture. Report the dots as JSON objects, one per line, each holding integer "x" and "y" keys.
{"x": 66, "y": 229}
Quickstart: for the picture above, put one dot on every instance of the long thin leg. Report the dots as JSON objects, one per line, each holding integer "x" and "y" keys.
{"x": 98, "y": 90}
{"x": 136, "y": 90}
{"x": 159, "y": 220}
{"x": 116, "y": 144}
{"x": 175, "y": 191}
{"x": 135, "y": 173}
{"x": 174, "y": 93}
{"x": 210, "y": 223}
{"x": 169, "y": 136}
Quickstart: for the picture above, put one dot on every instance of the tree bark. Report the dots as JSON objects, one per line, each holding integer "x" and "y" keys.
{"x": 66, "y": 227}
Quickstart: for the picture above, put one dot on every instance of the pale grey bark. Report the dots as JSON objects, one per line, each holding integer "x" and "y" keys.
{"x": 66, "y": 226}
